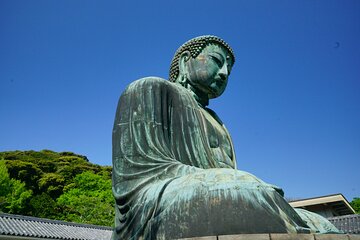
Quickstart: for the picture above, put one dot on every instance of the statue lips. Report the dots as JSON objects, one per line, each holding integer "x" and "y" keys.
{"x": 217, "y": 87}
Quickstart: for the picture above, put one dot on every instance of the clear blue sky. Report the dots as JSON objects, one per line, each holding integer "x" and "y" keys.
{"x": 292, "y": 103}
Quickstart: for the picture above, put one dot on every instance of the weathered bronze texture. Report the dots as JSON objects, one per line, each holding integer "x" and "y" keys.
{"x": 174, "y": 167}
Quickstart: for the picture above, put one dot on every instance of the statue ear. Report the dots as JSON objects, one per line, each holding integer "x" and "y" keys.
{"x": 184, "y": 57}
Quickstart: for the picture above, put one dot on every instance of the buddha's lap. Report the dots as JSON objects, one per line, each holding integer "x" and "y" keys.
{"x": 223, "y": 200}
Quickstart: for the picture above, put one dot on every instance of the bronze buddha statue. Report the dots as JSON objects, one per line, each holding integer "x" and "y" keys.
{"x": 174, "y": 167}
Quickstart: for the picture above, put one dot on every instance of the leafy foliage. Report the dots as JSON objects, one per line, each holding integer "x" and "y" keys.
{"x": 44, "y": 206}
{"x": 52, "y": 184}
{"x": 63, "y": 186}
{"x": 88, "y": 200}
{"x": 26, "y": 172}
{"x": 355, "y": 203}
{"x": 13, "y": 194}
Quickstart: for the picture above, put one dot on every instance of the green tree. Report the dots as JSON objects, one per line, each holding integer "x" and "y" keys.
{"x": 56, "y": 185}
{"x": 14, "y": 196}
{"x": 44, "y": 206}
{"x": 355, "y": 203}
{"x": 27, "y": 172}
{"x": 5, "y": 184}
{"x": 88, "y": 200}
{"x": 52, "y": 184}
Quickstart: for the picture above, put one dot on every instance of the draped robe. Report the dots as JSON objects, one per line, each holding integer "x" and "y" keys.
{"x": 174, "y": 172}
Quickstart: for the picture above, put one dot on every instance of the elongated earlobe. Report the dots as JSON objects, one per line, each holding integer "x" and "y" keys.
{"x": 185, "y": 56}
{"x": 183, "y": 70}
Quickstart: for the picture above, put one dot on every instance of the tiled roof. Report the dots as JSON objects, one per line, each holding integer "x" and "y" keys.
{"x": 348, "y": 223}
{"x": 15, "y": 225}
{"x": 335, "y": 203}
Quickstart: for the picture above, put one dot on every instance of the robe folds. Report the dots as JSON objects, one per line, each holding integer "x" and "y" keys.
{"x": 171, "y": 178}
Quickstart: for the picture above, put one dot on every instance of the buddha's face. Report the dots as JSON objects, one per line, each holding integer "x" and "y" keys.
{"x": 208, "y": 72}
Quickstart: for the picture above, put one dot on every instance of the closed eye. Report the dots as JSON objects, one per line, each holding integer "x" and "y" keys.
{"x": 216, "y": 60}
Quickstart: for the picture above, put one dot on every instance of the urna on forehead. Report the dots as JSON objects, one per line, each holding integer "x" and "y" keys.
{"x": 195, "y": 46}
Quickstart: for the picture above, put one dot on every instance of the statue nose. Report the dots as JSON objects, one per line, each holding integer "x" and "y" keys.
{"x": 223, "y": 72}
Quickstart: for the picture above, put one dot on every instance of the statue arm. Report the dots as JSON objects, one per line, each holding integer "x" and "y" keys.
{"x": 142, "y": 132}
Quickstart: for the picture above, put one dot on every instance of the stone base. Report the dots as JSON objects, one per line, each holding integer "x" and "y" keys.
{"x": 278, "y": 236}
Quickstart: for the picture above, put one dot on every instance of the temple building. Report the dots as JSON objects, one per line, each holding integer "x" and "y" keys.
{"x": 335, "y": 208}
{"x": 327, "y": 206}
{"x": 16, "y": 227}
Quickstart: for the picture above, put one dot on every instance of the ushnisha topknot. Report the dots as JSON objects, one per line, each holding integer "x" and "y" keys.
{"x": 195, "y": 46}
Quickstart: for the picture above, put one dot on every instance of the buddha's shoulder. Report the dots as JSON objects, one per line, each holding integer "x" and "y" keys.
{"x": 159, "y": 89}
{"x": 153, "y": 84}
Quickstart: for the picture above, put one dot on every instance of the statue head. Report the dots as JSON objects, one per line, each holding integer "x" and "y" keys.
{"x": 203, "y": 64}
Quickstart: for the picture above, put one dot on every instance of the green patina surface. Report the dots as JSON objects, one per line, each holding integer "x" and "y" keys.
{"x": 174, "y": 167}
